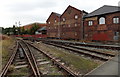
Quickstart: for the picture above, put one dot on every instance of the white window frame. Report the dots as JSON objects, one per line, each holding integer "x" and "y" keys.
{"x": 75, "y": 33}
{"x": 76, "y": 16}
{"x": 76, "y": 24}
{"x": 49, "y": 27}
{"x": 69, "y": 25}
{"x": 63, "y": 19}
{"x": 116, "y": 20}
{"x": 49, "y": 22}
{"x": 90, "y": 23}
{"x": 55, "y": 20}
{"x": 102, "y": 20}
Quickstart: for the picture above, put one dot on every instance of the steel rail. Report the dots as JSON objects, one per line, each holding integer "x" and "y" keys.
{"x": 74, "y": 50}
{"x": 86, "y": 44}
{"x": 34, "y": 60}
{"x": 70, "y": 72}
{"x": 31, "y": 62}
{"x": 92, "y": 51}
{"x": 5, "y": 69}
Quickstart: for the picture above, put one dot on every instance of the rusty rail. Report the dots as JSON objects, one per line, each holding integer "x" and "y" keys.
{"x": 31, "y": 60}
{"x": 84, "y": 44}
{"x": 70, "y": 72}
{"x": 84, "y": 53}
{"x": 5, "y": 69}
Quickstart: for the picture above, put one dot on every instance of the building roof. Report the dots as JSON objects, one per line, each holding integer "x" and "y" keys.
{"x": 73, "y": 8}
{"x": 43, "y": 28}
{"x": 28, "y": 26}
{"x": 104, "y": 10}
{"x": 58, "y": 15}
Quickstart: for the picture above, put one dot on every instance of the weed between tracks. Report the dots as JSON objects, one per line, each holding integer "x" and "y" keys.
{"x": 19, "y": 72}
{"x": 76, "y": 63}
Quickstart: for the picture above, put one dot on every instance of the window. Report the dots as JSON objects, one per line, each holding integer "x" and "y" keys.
{"x": 63, "y": 26}
{"x": 75, "y": 33}
{"x": 75, "y": 24}
{"x": 116, "y": 20}
{"x": 116, "y": 33}
{"x": 49, "y": 28}
{"x": 69, "y": 25}
{"x": 90, "y": 23}
{"x": 76, "y": 16}
{"x": 55, "y": 27}
{"x": 102, "y": 20}
{"x": 49, "y": 22}
{"x": 55, "y": 20}
{"x": 63, "y": 19}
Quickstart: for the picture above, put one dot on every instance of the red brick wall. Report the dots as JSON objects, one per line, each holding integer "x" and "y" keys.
{"x": 72, "y": 32}
{"x": 107, "y": 31}
{"x": 52, "y": 28}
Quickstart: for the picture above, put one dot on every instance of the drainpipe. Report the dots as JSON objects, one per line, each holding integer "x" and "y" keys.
{"x": 58, "y": 30}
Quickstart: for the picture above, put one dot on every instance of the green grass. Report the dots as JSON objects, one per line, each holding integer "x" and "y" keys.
{"x": 76, "y": 63}
{"x": 20, "y": 72}
{"x": 5, "y": 49}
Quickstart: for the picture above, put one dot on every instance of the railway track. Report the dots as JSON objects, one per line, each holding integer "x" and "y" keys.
{"x": 90, "y": 53}
{"x": 36, "y": 61}
{"x": 6, "y": 67}
{"x": 87, "y": 49}
{"x": 84, "y": 44}
{"x": 19, "y": 62}
{"x": 41, "y": 63}
{"x": 31, "y": 59}
{"x": 60, "y": 65}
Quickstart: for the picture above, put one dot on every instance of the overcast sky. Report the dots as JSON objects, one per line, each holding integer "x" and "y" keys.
{"x": 29, "y": 11}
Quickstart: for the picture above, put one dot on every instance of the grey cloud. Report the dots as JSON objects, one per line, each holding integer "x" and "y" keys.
{"x": 20, "y": 7}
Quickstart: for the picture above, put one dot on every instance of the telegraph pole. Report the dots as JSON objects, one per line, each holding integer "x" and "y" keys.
{"x": 19, "y": 27}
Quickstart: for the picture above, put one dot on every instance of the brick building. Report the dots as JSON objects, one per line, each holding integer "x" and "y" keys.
{"x": 71, "y": 23}
{"x": 53, "y": 22}
{"x": 102, "y": 24}
{"x": 66, "y": 26}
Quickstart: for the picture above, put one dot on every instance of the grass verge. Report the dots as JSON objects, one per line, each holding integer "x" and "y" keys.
{"x": 6, "y": 51}
{"x": 76, "y": 63}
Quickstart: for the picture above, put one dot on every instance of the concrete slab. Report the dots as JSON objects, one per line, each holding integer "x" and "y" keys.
{"x": 109, "y": 68}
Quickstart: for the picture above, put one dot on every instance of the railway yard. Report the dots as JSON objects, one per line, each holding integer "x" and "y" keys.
{"x": 59, "y": 58}
{"x": 72, "y": 43}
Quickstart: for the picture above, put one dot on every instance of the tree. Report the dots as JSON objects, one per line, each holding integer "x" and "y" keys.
{"x": 34, "y": 28}
{"x": 14, "y": 30}
{"x": 1, "y": 30}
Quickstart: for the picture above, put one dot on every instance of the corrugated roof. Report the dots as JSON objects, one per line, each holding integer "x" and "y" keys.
{"x": 104, "y": 10}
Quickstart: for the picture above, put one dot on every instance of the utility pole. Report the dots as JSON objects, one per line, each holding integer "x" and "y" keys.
{"x": 19, "y": 27}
